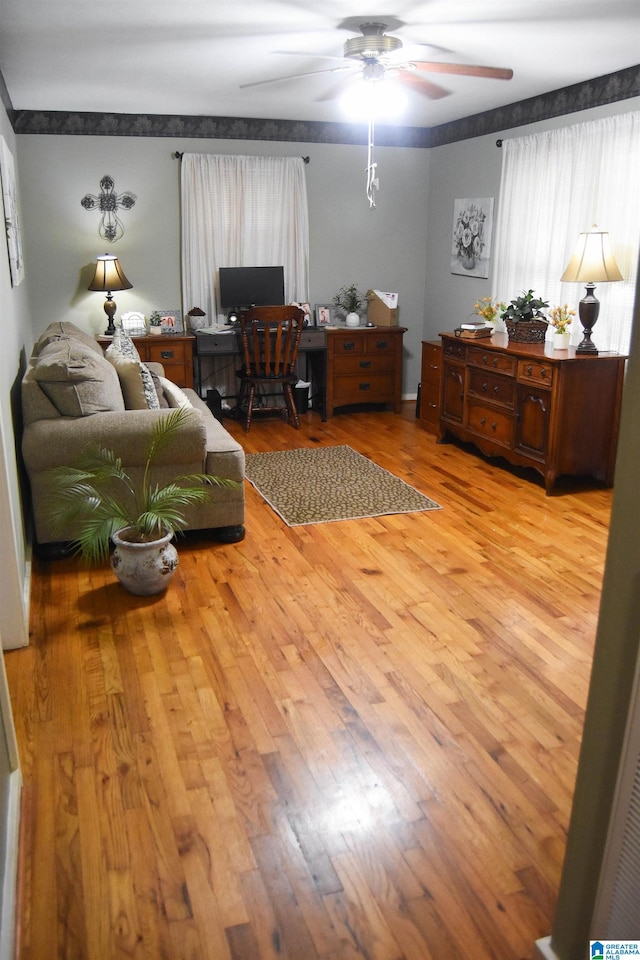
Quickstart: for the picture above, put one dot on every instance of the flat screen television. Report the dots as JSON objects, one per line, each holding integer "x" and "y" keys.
{"x": 251, "y": 286}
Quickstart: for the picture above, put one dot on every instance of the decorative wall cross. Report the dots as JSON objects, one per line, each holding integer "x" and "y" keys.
{"x": 108, "y": 203}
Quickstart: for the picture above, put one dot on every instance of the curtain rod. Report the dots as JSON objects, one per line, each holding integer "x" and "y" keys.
{"x": 178, "y": 156}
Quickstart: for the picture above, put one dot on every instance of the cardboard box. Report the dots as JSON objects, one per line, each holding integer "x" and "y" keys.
{"x": 382, "y": 308}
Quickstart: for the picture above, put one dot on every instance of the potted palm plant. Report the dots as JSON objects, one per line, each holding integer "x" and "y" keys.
{"x": 106, "y": 507}
{"x": 524, "y": 319}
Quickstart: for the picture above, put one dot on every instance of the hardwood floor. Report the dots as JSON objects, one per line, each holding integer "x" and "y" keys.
{"x": 338, "y": 741}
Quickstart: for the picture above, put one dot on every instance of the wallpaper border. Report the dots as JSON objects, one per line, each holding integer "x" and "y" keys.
{"x": 600, "y": 91}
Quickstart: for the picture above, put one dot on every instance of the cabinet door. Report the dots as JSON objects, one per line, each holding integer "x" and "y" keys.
{"x": 453, "y": 392}
{"x": 532, "y": 422}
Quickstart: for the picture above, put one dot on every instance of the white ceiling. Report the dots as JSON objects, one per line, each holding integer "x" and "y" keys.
{"x": 189, "y": 57}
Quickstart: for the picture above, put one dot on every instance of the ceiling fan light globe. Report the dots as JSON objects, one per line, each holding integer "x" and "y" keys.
{"x": 366, "y": 101}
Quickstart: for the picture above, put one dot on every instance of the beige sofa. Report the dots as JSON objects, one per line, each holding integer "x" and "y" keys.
{"x": 75, "y": 396}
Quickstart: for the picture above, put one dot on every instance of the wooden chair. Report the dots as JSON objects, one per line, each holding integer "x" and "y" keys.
{"x": 270, "y": 340}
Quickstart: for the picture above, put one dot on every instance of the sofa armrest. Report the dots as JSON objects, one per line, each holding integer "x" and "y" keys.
{"x": 50, "y": 443}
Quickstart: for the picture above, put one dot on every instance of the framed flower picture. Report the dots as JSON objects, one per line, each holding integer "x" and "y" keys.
{"x": 471, "y": 240}
{"x": 11, "y": 219}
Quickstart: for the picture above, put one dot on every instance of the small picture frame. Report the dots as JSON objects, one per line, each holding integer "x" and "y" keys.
{"x": 306, "y": 309}
{"x": 324, "y": 314}
{"x": 170, "y": 321}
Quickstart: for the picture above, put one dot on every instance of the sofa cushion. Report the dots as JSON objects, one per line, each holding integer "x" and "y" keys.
{"x": 63, "y": 330}
{"x": 174, "y": 395}
{"x": 78, "y": 381}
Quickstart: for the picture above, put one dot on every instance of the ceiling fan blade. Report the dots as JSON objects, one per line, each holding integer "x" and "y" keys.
{"x": 305, "y": 53}
{"x": 293, "y": 76}
{"x": 339, "y": 88}
{"x": 421, "y": 85}
{"x": 463, "y": 69}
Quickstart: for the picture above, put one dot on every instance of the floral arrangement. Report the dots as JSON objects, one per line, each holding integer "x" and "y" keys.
{"x": 488, "y": 308}
{"x": 524, "y": 308}
{"x": 561, "y": 318}
{"x": 468, "y": 232}
{"x": 349, "y": 298}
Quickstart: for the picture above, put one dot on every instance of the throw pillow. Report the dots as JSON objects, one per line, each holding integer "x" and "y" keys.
{"x": 136, "y": 381}
{"x": 78, "y": 381}
{"x": 175, "y": 396}
{"x": 124, "y": 345}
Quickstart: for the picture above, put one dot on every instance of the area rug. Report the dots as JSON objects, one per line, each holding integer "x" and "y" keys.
{"x": 323, "y": 484}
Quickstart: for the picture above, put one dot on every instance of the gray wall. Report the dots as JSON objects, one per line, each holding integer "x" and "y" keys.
{"x": 349, "y": 242}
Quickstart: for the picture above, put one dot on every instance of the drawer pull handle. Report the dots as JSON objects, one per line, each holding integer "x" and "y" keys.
{"x": 485, "y": 359}
{"x": 349, "y": 345}
{"x": 543, "y": 372}
{"x": 494, "y": 426}
{"x": 365, "y": 363}
{"x": 529, "y": 369}
{"x": 484, "y": 388}
{"x": 483, "y": 420}
{"x": 365, "y": 386}
{"x": 495, "y": 361}
{"x": 166, "y": 354}
{"x": 382, "y": 344}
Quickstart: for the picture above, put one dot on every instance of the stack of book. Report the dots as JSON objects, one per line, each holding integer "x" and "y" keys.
{"x": 471, "y": 329}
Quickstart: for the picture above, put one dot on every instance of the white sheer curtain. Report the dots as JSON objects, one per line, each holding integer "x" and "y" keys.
{"x": 556, "y": 185}
{"x": 240, "y": 211}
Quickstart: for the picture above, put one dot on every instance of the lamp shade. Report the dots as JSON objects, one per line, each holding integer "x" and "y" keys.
{"x": 109, "y": 275}
{"x": 593, "y": 261}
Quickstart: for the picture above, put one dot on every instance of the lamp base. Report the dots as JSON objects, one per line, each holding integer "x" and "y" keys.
{"x": 110, "y": 309}
{"x": 588, "y": 310}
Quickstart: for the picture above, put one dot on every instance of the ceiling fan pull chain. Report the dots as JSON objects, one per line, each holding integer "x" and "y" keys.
{"x": 372, "y": 180}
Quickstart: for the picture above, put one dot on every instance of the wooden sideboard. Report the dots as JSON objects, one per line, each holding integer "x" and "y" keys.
{"x": 364, "y": 365}
{"x": 552, "y": 410}
{"x": 430, "y": 380}
{"x": 174, "y": 351}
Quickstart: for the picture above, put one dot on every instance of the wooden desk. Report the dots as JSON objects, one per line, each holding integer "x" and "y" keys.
{"x": 313, "y": 349}
{"x": 552, "y": 410}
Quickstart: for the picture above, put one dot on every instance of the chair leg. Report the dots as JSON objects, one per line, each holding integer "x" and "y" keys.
{"x": 291, "y": 406}
{"x": 252, "y": 393}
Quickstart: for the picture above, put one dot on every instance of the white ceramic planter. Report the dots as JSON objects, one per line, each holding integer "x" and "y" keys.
{"x": 561, "y": 341}
{"x": 352, "y": 320}
{"x": 143, "y": 568}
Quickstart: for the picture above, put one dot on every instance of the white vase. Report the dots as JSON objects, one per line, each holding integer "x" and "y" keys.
{"x": 352, "y": 320}
{"x": 155, "y": 330}
{"x": 143, "y": 569}
{"x": 561, "y": 341}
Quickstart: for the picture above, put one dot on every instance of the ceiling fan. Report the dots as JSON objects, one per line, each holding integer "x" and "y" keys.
{"x": 375, "y": 54}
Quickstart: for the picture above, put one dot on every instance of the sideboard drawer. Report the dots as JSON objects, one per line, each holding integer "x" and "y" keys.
{"x": 497, "y": 425}
{"x": 535, "y": 371}
{"x": 492, "y": 360}
{"x": 492, "y": 386}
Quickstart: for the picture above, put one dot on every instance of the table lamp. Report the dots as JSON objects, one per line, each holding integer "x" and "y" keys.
{"x": 107, "y": 278}
{"x": 592, "y": 261}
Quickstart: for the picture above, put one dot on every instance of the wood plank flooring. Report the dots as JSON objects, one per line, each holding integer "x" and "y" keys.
{"x": 339, "y": 741}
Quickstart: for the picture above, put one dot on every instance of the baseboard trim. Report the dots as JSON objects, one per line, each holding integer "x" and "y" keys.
{"x": 544, "y": 951}
{"x": 8, "y": 911}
